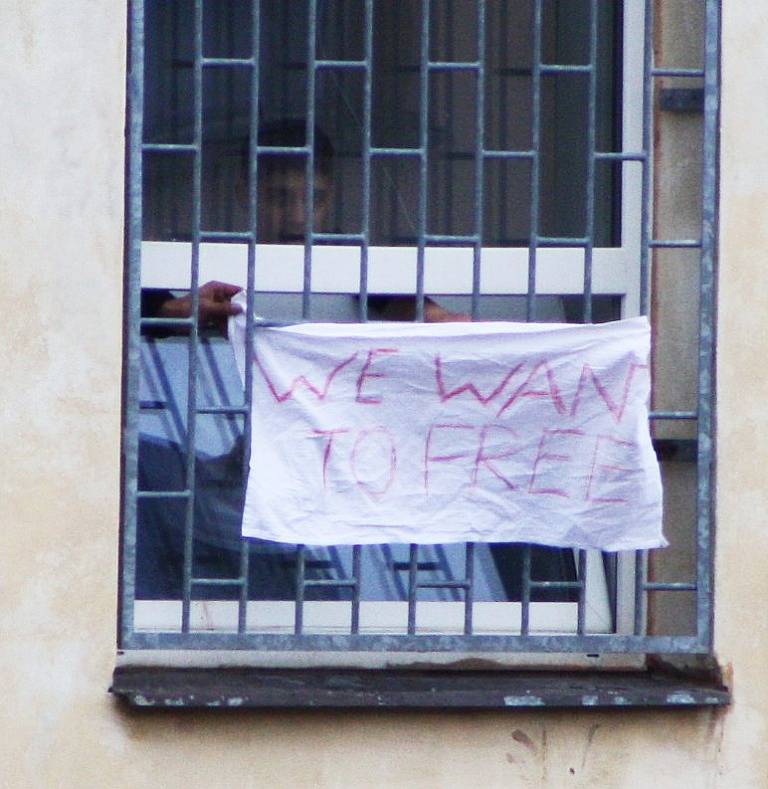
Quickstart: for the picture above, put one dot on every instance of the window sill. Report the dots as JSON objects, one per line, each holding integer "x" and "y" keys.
{"x": 407, "y": 689}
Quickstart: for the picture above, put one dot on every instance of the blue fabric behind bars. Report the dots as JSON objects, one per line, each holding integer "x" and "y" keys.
{"x": 218, "y": 504}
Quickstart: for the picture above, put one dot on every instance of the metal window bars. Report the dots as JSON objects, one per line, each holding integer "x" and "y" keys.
{"x": 528, "y": 639}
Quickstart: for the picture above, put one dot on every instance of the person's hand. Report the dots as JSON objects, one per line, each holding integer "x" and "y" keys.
{"x": 214, "y": 305}
{"x": 403, "y": 308}
{"x": 434, "y": 313}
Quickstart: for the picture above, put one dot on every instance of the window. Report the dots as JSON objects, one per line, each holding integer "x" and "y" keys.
{"x": 488, "y": 158}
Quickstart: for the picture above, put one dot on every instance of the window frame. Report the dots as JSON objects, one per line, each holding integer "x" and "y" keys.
{"x": 607, "y": 266}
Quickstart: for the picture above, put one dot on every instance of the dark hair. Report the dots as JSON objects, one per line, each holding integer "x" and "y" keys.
{"x": 291, "y": 133}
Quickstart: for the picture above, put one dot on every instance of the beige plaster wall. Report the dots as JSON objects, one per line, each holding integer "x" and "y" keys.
{"x": 742, "y": 494}
{"x": 61, "y": 172}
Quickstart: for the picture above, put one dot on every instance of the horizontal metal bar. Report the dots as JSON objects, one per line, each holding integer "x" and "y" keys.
{"x": 690, "y": 73}
{"x": 223, "y": 409}
{"x": 673, "y": 415}
{"x": 168, "y": 147}
{"x": 340, "y": 64}
{"x": 225, "y": 235}
{"x": 437, "y": 238}
{"x": 153, "y": 405}
{"x": 420, "y": 566}
{"x": 348, "y": 238}
{"x": 556, "y": 584}
{"x": 217, "y": 581}
{"x": 167, "y": 322}
{"x": 224, "y": 62}
{"x": 585, "y": 644}
{"x": 453, "y": 65}
{"x": 554, "y": 241}
{"x": 495, "y": 154}
{"x": 398, "y": 152}
{"x": 279, "y": 150}
{"x": 619, "y": 156}
{"x": 163, "y": 494}
{"x": 562, "y": 68}
{"x": 443, "y": 584}
{"x": 655, "y": 586}
{"x": 690, "y": 243}
{"x": 346, "y": 582}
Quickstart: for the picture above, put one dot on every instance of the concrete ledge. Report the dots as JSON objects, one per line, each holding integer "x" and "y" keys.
{"x": 405, "y": 689}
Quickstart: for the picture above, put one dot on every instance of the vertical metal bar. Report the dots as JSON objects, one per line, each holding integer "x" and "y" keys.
{"x": 709, "y": 234}
{"x": 422, "y": 223}
{"x": 173, "y": 123}
{"x": 197, "y": 170}
{"x": 423, "y": 159}
{"x": 242, "y": 603}
{"x": 641, "y": 563}
{"x": 228, "y": 33}
{"x": 309, "y": 186}
{"x": 503, "y": 110}
{"x": 448, "y": 170}
{"x": 366, "y": 159}
{"x": 395, "y": 168}
{"x": 476, "y": 253}
{"x": 479, "y": 159}
{"x": 301, "y": 570}
{"x": 250, "y": 288}
{"x": 525, "y": 592}
{"x": 581, "y": 607}
{"x": 413, "y": 568}
{"x": 133, "y": 306}
{"x": 646, "y": 215}
{"x": 356, "y": 568}
{"x": 533, "y": 240}
{"x": 341, "y": 10}
{"x": 366, "y": 234}
{"x": 646, "y": 234}
{"x": 590, "y": 174}
{"x": 309, "y": 223}
{"x": 469, "y": 591}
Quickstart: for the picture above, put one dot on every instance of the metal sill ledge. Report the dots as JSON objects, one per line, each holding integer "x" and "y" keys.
{"x": 407, "y": 689}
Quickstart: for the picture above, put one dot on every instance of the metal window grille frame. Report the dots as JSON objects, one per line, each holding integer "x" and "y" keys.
{"x": 525, "y": 641}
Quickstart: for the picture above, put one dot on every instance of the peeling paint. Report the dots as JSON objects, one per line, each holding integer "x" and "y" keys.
{"x": 680, "y": 697}
{"x": 523, "y": 701}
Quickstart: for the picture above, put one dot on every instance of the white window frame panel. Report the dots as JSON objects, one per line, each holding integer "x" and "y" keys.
{"x": 448, "y": 270}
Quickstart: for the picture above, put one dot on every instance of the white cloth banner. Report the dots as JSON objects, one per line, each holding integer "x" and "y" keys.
{"x": 436, "y": 433}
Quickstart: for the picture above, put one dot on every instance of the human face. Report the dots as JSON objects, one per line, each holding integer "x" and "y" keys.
{"x": 282, "y": 215}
